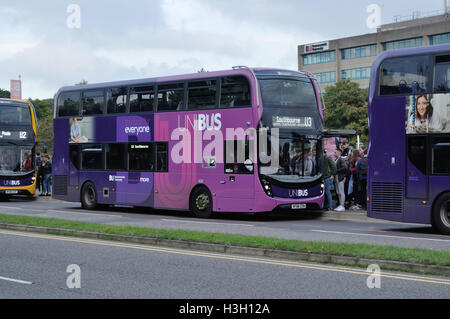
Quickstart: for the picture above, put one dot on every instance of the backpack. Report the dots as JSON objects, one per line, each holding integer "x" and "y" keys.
{"x": 363, "y": 166}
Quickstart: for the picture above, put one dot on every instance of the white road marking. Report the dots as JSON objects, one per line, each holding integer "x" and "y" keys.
{"x": 373, "y": 235}
{"x": 16, "y": 280}
{"x": 197, "y": 222}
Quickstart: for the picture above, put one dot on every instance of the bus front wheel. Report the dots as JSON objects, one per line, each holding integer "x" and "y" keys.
{"x": 89, "y": 196}
{"x": 201, "y": 202}
{"x": 441, "y": 214}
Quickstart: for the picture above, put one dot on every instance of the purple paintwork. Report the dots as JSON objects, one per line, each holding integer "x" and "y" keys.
{"x": 172, "y": 190}
{"x": 388, "y": 161}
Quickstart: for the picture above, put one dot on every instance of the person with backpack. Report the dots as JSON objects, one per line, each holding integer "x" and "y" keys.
{"x": 361, "y": 171}
{"x": 328, "y": 171}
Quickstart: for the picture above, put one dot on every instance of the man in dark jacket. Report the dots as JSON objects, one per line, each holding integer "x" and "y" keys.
{"x": 46, "y": 173}
{"x": 361, "y": 171}
{"x": 328, "y": 172}
{"x": 339, "y": 181}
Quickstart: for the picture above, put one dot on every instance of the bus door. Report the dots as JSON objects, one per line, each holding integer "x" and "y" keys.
{"x": 416, "y": 167}
{"x": 239, "y": 178}
{"x": 74, "y": 162}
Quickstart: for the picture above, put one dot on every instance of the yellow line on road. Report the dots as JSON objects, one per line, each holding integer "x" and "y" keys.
{"x": 349, "y": 270}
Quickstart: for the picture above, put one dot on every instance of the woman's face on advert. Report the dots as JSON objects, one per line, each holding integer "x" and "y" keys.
{"x": 422, "y": 105}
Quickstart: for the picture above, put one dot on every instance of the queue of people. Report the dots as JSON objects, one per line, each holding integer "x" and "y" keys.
{"x": 347, "y": 175}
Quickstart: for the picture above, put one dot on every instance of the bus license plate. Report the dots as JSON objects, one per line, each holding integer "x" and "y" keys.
{"x": 11, "y": 192}
{"x": 298, "y": 206}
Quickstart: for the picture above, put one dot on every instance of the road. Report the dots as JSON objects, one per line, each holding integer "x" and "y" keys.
{"x": 35, "y": 266}
{"x": 290, "y": 226}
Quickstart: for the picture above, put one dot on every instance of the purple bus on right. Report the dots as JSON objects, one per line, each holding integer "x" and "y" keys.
{"x": 408, "y": 177}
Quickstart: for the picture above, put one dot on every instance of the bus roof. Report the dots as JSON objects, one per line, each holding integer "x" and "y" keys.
{"x": 183, "y": 77}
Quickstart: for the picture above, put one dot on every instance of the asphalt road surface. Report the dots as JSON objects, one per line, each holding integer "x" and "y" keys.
{"x": 289, "y": 226}
{"x": 42, "y": 266}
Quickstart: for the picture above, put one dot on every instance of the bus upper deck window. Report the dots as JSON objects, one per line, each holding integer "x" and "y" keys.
{"x": 442, "y": 74}
{"x": 404, "y": 75}
{"x": 69, "y": 104}
{"x": 117, "y": 100}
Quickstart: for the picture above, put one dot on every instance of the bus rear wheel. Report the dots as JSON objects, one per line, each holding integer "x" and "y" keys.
{"x": 441, "y": 214}
{"x": 201, "y": 202}
{"x": 89, "y": 196}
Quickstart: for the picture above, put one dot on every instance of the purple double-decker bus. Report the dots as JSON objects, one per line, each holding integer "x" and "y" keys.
{"x": 241, "y": 140}
{"x": 409, "y": 125}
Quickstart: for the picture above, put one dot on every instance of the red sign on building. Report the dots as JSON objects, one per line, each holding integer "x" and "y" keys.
{"x": 16, "y": 89}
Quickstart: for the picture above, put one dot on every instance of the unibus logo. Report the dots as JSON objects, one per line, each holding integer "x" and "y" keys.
{"x": 202, "y": 122}
{"x": 298, "y": 192}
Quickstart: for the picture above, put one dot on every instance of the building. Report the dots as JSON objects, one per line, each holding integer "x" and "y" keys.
{"x": 352, "y": 57}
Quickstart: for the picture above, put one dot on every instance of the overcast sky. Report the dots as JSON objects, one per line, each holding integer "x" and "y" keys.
{"x": 119, "y": 40}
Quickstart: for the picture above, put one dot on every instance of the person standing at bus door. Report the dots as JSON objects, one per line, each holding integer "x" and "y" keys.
{"x": 75, "y": 132}
{"x": 361, "y": 170}
{"x": 354, "y": 197}
{"x": 46, "y": 172}
{"x": 328, "y": 171}
{"x": 339, "y": 181}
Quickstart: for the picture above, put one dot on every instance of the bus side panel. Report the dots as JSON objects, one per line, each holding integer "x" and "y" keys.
{"x": 386, "y": 171}
{"x": 60, "y": 160}
{"x": 172, "y": 189}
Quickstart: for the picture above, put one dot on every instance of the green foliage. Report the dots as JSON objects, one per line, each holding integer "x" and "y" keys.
{"x": 43, "y": 108}
{"x": 346, "y": 108}
{"x": 82, "y": 82}
{"x": 5, "y": 94}
{"x": 45, "y": 134}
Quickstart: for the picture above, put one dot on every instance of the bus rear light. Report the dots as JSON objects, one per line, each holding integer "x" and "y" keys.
{"x": 368, "y": 199}
{"x": 424, "y": 202}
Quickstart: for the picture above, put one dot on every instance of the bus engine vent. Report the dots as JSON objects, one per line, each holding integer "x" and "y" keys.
{"x": 387, "y": 197}
{"x": 60, "y": 185}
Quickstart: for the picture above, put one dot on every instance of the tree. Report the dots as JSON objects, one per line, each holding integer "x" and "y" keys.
{"x": 5, "y": 94}
{"x": 82, "y": 82}
{"x": 45, "y": 134}
{"x": 43, "y": 108}
{"x": 346, "y": 108}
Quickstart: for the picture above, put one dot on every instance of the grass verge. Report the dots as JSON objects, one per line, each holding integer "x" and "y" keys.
{"x": 390, "y": 253}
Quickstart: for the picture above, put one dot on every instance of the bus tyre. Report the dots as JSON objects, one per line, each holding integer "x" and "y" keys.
{"x": 441, "y": 214}
{"x": 201, "y": 202}
{"x": 89, "y": 196}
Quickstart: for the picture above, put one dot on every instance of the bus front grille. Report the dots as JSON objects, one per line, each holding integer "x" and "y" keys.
{"x": 387, "y": 197}
{"x": 60, "y": 185}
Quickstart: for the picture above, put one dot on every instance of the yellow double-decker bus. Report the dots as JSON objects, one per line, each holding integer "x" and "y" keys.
{"x": 18, "y": 169}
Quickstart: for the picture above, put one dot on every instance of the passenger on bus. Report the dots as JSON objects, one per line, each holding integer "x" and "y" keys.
{"x": 26, "y": 165}
{"x": 304, "y": 165}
